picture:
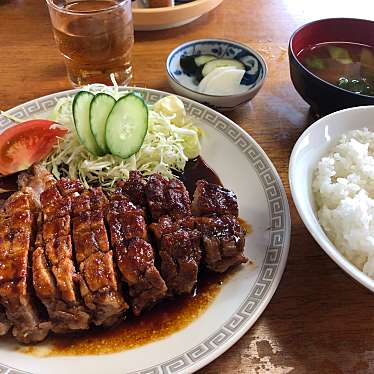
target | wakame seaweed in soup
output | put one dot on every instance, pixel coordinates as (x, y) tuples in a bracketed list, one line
[(346, 65)]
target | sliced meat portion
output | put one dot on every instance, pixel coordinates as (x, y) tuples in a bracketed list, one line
[(223, 238), (167, 197), (179, 250), (223, 242), (134, 188), (16, 240), (89, 230), (70, 187), (135, 256), (100, 289), (99, 285), (66, 315), (35, 181), (168, 225), (213, 199), (136, 262), (55, 278), (126, 220), (180, 258)]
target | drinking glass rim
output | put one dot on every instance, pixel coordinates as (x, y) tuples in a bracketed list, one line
[(67, 11)]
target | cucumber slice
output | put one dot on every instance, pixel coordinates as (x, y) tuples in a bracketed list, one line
[(221, 62), (101, 105), (127, 126), (203, 59), (81, 115)]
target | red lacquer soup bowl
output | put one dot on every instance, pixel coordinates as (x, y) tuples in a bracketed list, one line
[(324, 97)]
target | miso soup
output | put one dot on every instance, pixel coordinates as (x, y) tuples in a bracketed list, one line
[(346, 65)]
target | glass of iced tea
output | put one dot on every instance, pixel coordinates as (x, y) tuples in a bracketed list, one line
[(95, 37)]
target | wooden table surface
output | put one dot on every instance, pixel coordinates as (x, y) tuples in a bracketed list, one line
[(319, 320)]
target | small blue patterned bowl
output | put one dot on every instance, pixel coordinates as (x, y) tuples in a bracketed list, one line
[(184, 84)]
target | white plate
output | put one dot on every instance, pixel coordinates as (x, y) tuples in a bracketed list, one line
[(312, 145), (147, 19), (244, 167)]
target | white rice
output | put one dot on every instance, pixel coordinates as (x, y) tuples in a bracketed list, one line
[(343, 187)]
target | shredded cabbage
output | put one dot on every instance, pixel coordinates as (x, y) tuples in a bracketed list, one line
[(172, 139)]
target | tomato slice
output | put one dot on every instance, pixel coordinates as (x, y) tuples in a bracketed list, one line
[(27, 143)]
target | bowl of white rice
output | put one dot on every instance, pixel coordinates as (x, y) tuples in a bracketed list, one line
[(331, 175)]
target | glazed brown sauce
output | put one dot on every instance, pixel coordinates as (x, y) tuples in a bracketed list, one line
[(245, 225), (163, 320), (195, 170)]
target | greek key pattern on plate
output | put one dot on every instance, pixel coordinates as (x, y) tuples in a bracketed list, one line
[(279, 232), (7, 370)]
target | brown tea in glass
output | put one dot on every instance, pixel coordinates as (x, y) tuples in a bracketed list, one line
[(95, 38)]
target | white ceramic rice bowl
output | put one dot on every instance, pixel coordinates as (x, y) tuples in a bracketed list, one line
[(312, 145)]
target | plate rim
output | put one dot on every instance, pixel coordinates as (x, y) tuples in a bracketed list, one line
[(284, 249)]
